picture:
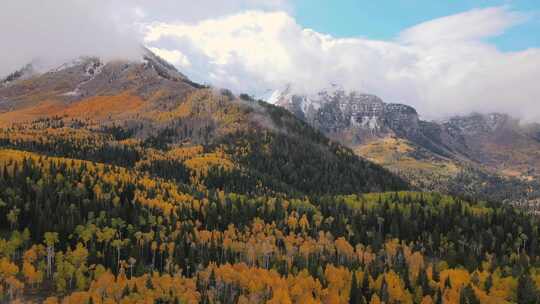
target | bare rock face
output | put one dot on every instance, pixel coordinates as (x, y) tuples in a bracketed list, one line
[(477, 124), (342, 113), (402, 119)]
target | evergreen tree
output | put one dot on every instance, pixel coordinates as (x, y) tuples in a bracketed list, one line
[(366, 291), (526, 290), (467, 296), (438, 296), (488, 283), (385, 296), (355, 294)]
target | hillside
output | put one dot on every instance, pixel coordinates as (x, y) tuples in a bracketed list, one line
[(86, 232), (151, 113)]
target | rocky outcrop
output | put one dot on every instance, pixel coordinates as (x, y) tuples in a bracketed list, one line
[(476, 123), (363, 116)]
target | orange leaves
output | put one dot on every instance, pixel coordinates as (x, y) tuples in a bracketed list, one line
[(292, 221), (375, 299), (183, 153), (32, 254), (304, 288), (427, 300), (416, 263), (76, 298), (8, 272), (201, 164), (31, 274), (457, 278), (102, 107), (304, 223), (7, 269), (258, 284), (344, 250), (42, 109), (123, 105), (104, 284), (51, 300), (339, 281), (503, 287), (280, 296), (396, 289)]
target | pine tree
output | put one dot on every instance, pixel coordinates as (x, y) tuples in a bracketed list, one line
[(385, 296), (526, 290), (467, 296), (354, 296), (149, 284), (488, 283), (423, 281), (438, 296), (212, 279), (366, 291)]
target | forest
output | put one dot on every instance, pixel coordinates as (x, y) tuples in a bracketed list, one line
[(199, 212), (80, 231)]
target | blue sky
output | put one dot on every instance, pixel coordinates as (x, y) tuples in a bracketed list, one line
[(385, 19)]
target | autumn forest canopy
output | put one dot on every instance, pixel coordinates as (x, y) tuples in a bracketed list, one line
[(172, 192)]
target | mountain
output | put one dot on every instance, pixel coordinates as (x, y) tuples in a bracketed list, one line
[(125, 182), (485, 150), (160, 120)]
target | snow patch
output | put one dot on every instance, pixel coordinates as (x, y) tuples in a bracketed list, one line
[(274, 97)]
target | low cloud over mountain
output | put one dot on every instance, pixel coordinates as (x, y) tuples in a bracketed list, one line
[(442, 67)]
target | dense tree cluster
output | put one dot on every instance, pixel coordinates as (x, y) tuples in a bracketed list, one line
[(83, 232), (254, 161), (216, 201)]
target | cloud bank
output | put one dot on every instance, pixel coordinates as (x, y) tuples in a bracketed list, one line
[(54, 32), (442, 67)]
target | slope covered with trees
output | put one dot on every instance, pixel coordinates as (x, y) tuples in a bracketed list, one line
[(127, 183), (222, 142), (78, 231)]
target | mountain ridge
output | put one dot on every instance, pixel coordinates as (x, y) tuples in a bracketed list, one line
[(495, 144)]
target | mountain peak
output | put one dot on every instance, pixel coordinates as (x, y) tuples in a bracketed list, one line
[(126, 87), (335, 110), (476, 123)]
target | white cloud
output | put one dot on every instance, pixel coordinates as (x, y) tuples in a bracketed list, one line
[(61, 30), (468, 26), (442, 67), (175, 57)]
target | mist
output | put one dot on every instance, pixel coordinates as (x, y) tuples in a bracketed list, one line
[(52, 32)]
